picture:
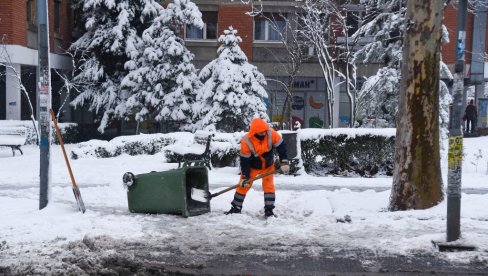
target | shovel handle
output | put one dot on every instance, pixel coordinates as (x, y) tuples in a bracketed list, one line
[(249, 180)]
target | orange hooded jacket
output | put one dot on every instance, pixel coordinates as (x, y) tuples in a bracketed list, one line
[(257, 153)]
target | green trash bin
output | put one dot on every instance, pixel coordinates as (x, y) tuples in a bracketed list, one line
[(169, 192)]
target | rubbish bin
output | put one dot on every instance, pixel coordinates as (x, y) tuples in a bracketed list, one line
[(290, 139), (169, 192)]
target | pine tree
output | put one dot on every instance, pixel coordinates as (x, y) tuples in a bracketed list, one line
[(384, 21), (233, 92), (163, 79), (112, 37)]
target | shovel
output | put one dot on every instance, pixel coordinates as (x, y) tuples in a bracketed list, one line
[(201, 195), (76, 190)]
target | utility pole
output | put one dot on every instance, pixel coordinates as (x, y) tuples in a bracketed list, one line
[(44, 92), (455, 160)]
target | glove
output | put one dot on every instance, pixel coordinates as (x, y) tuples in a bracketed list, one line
[(284, 167), (244, 183)]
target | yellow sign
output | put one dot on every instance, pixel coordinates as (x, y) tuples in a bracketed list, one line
[(455, 155), (277, 118)]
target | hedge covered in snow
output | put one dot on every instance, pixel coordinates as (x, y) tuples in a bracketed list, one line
[(224, 147), (132, 145), (346, 151), (69, 131), (341, 151)]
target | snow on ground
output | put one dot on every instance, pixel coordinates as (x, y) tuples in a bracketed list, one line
[(307, 207)]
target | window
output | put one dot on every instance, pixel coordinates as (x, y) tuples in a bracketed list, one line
[(209, 30), (269, 27), (57, 14), (353, 21), (31, 12)]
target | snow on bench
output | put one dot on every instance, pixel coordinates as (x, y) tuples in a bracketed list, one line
[(13, 137), (199, 150)]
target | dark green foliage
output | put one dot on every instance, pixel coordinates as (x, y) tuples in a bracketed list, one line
[(219, 158), (69, 134), (222, 158), (365, 155)]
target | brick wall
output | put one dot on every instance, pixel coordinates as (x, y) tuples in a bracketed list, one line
[(235, 15), (5, 18), (450, 21), (64, 33), (13, 22)]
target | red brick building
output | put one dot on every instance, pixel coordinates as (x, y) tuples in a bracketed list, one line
[(18, 30)]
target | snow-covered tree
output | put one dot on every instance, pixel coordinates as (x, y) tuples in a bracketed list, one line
[(113, 34), (233, 92), (385, 22), (316, 28), (162, 79)]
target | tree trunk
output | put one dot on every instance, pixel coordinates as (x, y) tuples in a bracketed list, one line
[(417, 181)]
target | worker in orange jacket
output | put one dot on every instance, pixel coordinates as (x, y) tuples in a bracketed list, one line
[(257, 157)]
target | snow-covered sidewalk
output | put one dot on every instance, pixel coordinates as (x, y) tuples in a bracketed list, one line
[(307, 207)]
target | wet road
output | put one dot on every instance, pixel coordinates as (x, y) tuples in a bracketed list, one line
[(151, 258)]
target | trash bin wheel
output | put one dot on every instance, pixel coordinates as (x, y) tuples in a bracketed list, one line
[(128, 179)]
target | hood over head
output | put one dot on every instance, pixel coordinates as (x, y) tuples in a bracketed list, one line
[(258, 125)]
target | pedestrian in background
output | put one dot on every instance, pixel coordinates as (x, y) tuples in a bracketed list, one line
[(471, 116)]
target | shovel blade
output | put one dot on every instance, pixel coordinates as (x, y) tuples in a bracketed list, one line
[(200, 195), (79, 200)]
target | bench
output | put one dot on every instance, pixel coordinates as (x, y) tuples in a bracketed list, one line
[(13, 137), (200, 150)]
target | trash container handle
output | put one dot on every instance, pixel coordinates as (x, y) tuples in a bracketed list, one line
[(195, 163)]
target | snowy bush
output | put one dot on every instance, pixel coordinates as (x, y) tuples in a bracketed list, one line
[(132, 145), (348, 151), (341, 151)]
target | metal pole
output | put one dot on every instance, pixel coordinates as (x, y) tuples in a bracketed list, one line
[(44, 92), (455, 134)]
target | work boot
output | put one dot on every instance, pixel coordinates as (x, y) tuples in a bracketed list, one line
[(268, 212), (234, 210)]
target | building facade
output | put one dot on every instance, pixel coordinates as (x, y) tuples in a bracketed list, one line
[(260, 42), (18, 51), (265, 50)]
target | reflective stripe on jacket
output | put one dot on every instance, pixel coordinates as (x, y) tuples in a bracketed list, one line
[(256, 153)]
